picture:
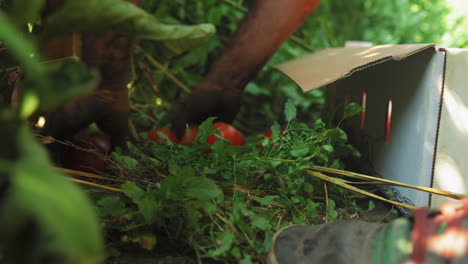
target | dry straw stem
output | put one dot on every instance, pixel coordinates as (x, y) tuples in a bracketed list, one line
[(339, 182), (249, 193), (95, 185), (389, 182), (156, 64), (231, 189), (88, 175)]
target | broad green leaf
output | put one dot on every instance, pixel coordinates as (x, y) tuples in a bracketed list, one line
[(254, 89), (133, 192), (267, 200), (227, 238), (352, 109), (246, 260), (111, 206), (127, 19), (328, 148), (299, 149), (149, 209), (201, 188), (130, 162), (208, 206), (59, 206), (187, 172), (173, 168), (275, 131), (20, 46), (331, 211), (147, 205), (371, 205), (289, 111), (69, 79), (308, 188), (24, 11), (205, 129), (260, 222)]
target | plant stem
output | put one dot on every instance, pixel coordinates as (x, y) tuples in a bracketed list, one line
[(171, 76)]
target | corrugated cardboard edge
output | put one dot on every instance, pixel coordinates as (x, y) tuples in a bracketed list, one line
[(451, 164), (327, 66)]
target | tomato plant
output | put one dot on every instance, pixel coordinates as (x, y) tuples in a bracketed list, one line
[(153, 135), (87, 153)]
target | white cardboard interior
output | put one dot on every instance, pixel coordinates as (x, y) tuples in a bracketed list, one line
[(413, 77)]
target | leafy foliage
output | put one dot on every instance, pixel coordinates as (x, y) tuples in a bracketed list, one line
[(38, 192), (44, 213), (227, 204)]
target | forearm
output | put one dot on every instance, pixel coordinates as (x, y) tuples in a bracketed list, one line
[(267, 25)]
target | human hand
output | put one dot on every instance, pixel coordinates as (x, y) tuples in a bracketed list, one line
[(207, 101)]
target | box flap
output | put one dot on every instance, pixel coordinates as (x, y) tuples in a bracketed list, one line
[(327, 66)]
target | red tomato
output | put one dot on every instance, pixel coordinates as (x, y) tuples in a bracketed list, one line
[(96, 145), (189, 136), (228, 132), (269, 133), (153, 135)]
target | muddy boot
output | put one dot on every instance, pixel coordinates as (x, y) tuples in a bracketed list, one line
[(437, 237)]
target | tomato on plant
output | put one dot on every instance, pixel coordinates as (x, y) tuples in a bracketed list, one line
[(153, 135), (228, 132), (189, 135)]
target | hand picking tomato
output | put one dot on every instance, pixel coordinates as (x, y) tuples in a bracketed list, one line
[(189, 136), (153, 135), (228, 132), (90, 160)]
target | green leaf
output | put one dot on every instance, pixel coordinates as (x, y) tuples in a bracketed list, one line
[(23, 49), (111, 206), (254, 89), (205, 129), (133, 192), (59, 206), (149, 209), (299, 148), (124, 18), (352, 109), (70, 78), (371, 205), (246, 260), (24, 11), (146, 203), (331, 211), (308, 188), (260, 222), (227, 238), (201, 188), (328, 148), (267, 200), (289, 111)]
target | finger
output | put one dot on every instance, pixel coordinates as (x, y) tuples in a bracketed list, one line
[(180, 120)]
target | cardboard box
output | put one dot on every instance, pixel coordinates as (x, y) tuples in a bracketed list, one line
[(414, 128)]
